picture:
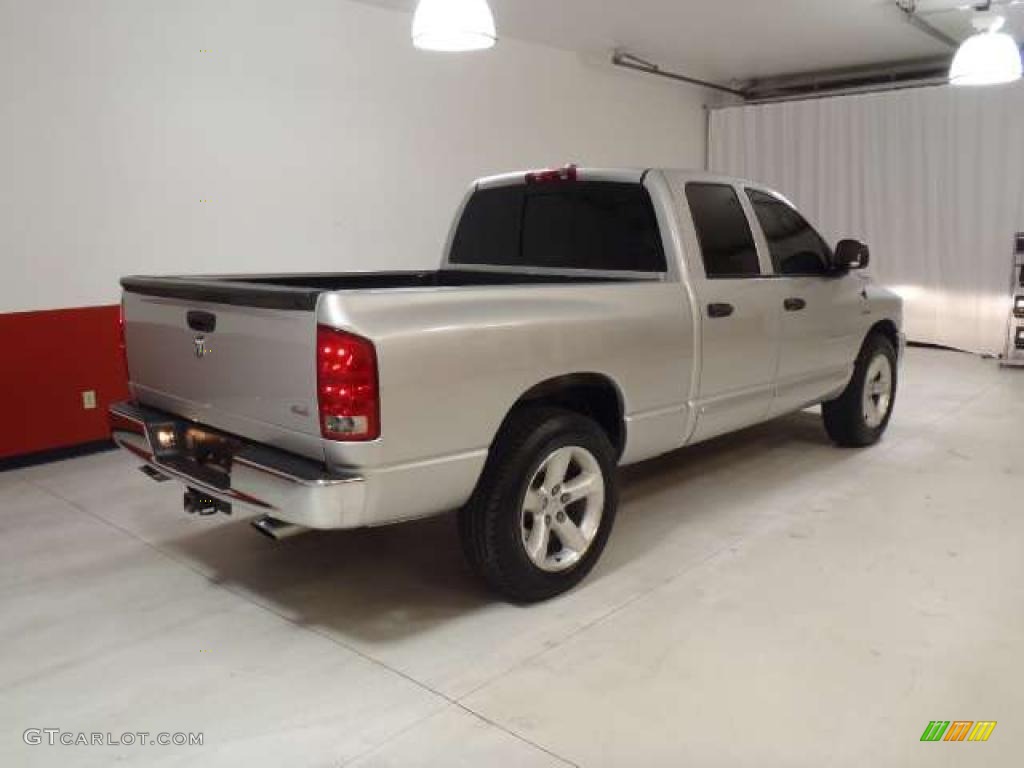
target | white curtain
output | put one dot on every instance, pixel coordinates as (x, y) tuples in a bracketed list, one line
[(931, 178)]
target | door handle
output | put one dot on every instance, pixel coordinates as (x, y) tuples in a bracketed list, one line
[(720, 310), (794, 305)]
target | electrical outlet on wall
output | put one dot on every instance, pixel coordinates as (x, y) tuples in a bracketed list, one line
[(89, 399)]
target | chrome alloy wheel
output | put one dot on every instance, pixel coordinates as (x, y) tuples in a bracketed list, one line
[(562, 509), (877, 391)]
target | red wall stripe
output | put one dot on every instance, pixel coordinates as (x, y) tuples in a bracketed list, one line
[(47, 359)]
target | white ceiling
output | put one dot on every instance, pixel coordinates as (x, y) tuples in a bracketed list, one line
[(735, 39)]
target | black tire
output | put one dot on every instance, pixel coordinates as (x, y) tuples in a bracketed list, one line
[(844, 417), (492, 522)]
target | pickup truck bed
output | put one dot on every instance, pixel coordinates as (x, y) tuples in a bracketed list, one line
[(453, 361), (302, 291)]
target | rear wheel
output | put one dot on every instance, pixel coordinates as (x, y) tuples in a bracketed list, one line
[(860, 415), (542, 512)]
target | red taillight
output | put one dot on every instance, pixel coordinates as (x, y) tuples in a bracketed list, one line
[(346, 384), (568, 173)]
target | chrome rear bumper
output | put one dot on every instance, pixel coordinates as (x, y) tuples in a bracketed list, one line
[(280, 484)]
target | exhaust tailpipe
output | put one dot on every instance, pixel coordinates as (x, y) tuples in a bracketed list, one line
[(276, 529)]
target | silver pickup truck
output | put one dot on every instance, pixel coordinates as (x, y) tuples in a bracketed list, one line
[(580, 319)]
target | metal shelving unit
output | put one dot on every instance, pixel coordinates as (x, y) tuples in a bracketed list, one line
[(1014, 354)]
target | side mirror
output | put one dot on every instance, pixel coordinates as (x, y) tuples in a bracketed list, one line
[(851, 254)]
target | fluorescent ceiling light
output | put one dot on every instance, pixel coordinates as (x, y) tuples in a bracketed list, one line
[(987, 58), (453, 25)]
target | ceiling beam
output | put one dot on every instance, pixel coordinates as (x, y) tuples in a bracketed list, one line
[(857, 79), (629, 61), (909, 9), (894, 74)]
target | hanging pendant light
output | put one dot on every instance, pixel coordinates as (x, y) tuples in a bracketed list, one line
[(453, 25), (989, 57)]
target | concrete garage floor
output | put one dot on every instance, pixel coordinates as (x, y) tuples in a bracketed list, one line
[(766, 600)]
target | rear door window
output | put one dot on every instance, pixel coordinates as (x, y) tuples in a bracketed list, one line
[(726, 242), (606, 226)]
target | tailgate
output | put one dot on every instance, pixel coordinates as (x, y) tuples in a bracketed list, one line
[(247, 367)]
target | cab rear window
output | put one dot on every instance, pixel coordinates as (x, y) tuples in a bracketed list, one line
[(606, 226)]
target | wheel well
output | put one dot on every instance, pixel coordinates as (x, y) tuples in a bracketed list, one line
[(589, 394), (888, 329)]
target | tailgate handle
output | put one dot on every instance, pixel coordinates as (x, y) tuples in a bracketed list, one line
[(204, 322), (720, 310)]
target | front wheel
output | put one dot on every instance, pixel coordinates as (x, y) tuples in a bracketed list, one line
[(542, 512), (860, 415)]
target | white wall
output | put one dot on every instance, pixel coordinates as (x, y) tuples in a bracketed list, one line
[(319, 137), (931, 178)]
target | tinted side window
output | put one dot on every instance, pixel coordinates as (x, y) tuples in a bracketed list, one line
[(587, 225), (723, 230), (795, 247)]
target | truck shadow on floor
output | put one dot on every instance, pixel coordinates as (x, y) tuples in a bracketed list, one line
[(379, 586)]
